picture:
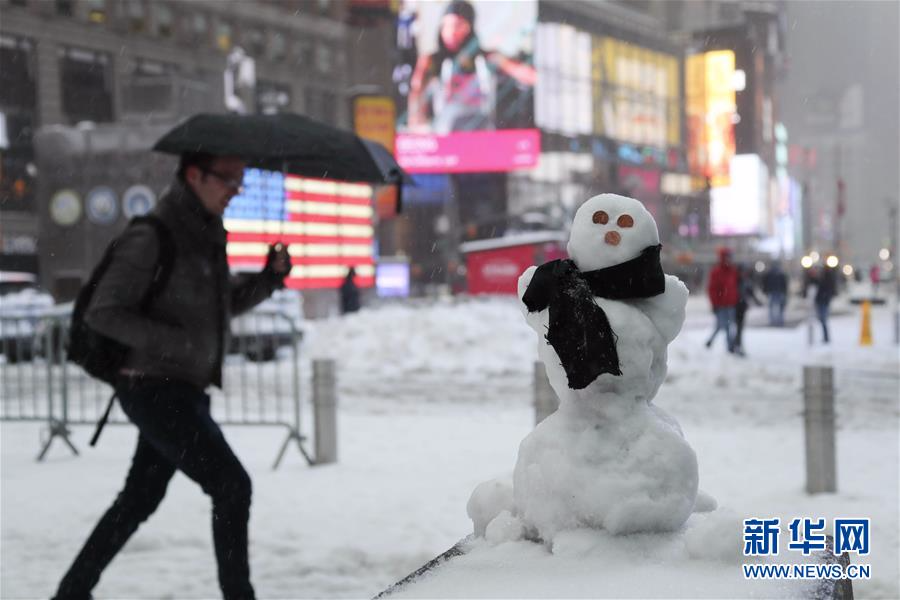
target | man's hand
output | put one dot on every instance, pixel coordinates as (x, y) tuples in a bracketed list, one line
[(278, 261)]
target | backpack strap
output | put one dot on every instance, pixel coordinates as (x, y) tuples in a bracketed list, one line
[(164, 264), (165, 260), (102, 422)]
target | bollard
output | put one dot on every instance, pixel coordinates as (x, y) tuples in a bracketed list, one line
[(545, 400), (865, 332), (325, 408), (818, 416)]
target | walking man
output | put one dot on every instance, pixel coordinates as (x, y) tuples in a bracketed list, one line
[(176, 345), (723, 295), (825, 280), (746, 294), (775, 286)]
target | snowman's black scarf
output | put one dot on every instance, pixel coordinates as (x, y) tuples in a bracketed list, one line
[(579, 330)]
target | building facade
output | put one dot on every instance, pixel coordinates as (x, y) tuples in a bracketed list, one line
[(145, 63)]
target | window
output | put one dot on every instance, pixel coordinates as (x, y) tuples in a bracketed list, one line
[(148, 89), (277, 46), (321, 105), (303, 53), (18, 98), (254, 42), (324, 58), (65, 8), (135, 15), (311, 103), (199, 25), (164, 19), (329, 108), (224, 33), (17, 77), (85, 85), (96, 11)]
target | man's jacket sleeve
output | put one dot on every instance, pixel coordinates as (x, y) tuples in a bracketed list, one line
[(115, 309), (248, 290)]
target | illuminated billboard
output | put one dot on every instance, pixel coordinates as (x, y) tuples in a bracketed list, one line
[(711, 109), (563, 93), (327, 225), (737, 209), (464, 86), (635, 93)]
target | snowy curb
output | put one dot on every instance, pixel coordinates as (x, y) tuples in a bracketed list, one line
[(825, 589)]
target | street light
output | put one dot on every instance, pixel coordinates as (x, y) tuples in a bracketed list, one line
[(832, 261)]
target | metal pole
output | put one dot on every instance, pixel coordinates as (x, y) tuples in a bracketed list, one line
[(325, 409), (545, 400), (895, 272), (818, 416)]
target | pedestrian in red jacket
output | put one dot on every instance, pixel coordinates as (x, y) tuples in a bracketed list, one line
[(723, 295)]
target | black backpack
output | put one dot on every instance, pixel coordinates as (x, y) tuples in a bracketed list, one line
[(100, 356)]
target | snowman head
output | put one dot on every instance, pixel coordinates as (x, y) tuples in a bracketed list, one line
[(610, 229)]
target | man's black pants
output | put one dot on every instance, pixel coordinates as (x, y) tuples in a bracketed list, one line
[(176, 432)]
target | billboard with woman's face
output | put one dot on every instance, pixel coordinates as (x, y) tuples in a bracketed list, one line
[(464, 83)]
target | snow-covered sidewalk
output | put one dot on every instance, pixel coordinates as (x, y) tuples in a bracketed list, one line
[(434, 400)]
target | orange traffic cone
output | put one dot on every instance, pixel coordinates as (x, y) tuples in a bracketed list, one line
[(865, 334)]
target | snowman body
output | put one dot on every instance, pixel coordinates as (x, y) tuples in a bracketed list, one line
[(608, 458)]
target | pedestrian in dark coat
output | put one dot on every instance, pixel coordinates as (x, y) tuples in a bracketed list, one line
[(746, 294), (723, 295), (349, 293), (825, 281), (775, 286), (176, 348)]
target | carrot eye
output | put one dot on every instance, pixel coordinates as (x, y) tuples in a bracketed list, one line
[(601, 217), (625, 221)]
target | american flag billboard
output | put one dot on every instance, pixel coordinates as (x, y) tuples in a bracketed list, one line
[(327, 225)]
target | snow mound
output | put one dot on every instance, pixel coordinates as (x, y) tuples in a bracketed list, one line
[(477, 337), (702, 560)]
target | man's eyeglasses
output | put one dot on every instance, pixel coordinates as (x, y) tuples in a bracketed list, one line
[(234, 184)]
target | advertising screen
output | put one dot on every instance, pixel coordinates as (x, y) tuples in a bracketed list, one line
[(392, 279), (563, 95), (737, 209), (636, 93), (327, 225), (464, 83), (711, 108)]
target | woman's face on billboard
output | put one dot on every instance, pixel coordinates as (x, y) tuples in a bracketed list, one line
[(454, 31)]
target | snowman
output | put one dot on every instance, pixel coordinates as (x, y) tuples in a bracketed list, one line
[(607, 458)]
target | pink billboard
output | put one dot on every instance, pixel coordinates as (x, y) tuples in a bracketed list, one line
[(464, 81), (463, 152)]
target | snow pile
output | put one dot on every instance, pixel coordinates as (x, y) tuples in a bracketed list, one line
[(702, 561), (442, 338)]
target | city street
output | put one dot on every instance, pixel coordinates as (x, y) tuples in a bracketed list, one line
[(438, 410)]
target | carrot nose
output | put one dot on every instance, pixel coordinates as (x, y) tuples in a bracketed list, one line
[(612, 238)]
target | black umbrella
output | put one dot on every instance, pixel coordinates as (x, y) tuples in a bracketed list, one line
[(289, 142)]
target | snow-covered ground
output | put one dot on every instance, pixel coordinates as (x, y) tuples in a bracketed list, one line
[(435, 399)]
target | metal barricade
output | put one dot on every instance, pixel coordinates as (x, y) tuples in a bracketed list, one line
[(261, 378)]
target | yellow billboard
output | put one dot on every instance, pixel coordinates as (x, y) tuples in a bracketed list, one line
[(635, 93), (374, 118), (711, 107)]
